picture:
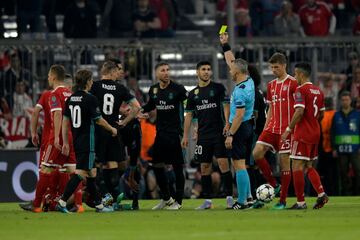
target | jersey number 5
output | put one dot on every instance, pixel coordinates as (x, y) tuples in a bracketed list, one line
[(108, 105), (75, 115)]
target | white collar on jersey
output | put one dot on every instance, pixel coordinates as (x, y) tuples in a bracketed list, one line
[(277, 80), (58, 87), (305, 84)]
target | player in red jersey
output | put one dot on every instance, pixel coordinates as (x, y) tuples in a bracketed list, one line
[(280, 99), (41, 186), (309, 110)]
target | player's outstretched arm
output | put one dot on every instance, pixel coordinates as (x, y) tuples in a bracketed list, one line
[(135, 108), (187, 124), (229, 56), (33, 125), (104, 124)]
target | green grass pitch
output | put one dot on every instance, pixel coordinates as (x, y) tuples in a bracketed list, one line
[(340, 219)]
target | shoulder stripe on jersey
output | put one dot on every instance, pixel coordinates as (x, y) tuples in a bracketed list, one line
[(299, 105)]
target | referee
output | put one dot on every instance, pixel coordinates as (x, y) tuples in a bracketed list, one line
[(240, 135), (167, 97)]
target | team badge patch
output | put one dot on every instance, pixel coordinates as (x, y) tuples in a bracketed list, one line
[(285, 87), (171, 95), (196, 92), (212, 93), (155, 91)]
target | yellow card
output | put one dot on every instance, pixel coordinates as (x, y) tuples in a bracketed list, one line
[(223, 29)]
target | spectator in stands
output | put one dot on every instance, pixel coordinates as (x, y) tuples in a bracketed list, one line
[(80, 20), (330, 86), (287, 23), (22, 101), (357, 104), (327, 165), (49, 10), (271, 8), (28, 13), (356, 26), (353, 59), (355, 83), (133, 86), (317, 19), (146, 22), (117, 18), (12, 74), (243, 22), (345, 135), (338, 7), (5, 111), (256, 14), (165, 10)]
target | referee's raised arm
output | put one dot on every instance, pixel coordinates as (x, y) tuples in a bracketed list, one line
[(229, 56)]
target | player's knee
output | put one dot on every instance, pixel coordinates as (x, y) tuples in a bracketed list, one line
[(224, 165), (258, 152), (206, 168)]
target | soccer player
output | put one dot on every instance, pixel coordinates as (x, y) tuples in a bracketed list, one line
[(82, 111), (42, 184), (210, 104), (280, 98), (309, 110), (240, 135), (110, 150), (131, 137), (167, 97)]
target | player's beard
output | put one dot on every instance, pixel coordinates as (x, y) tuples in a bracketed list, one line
[(205, 80), (165, 80)]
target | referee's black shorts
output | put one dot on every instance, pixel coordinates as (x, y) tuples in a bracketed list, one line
[(85, 160), (242, 141), (167, 149)]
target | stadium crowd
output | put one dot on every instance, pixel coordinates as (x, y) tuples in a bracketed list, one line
[(162, 18)]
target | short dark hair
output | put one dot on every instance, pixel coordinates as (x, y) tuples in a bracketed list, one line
[(108, 67), (241, 65), (254, 74), (279, 58), (160, 64), (304, 68), (59, 71), (115, 60), (345, 94), (82, 77), (202, 63)]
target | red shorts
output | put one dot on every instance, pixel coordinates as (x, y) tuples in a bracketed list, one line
[(304, 151), (53, 157), (275, 143)]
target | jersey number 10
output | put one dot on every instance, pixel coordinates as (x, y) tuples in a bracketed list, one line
[(75, 115)]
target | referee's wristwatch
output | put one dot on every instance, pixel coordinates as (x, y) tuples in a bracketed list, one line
[(229, 134)]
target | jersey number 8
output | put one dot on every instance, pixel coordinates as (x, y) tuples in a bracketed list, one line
[(108, 105)]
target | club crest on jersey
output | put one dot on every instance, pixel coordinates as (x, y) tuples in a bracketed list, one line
[(53, 101), (196, 92), (212, 93), (285, 87), (155, 91), (171, 96)]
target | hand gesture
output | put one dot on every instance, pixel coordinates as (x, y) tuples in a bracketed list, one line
[(35, 139), (65, 149), (226, 129), (228, 142), (184, 142), (114, 132), (57, 143)]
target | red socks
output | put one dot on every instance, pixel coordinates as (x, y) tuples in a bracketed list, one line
[(314, 178), (299, 185), (41, 187), (63, 180), (266, 171), (285, 183)]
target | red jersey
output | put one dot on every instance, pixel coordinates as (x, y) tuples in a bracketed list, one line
[(43, 103), (311, 98), (57, 103), (316, 21), (280, 97)]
